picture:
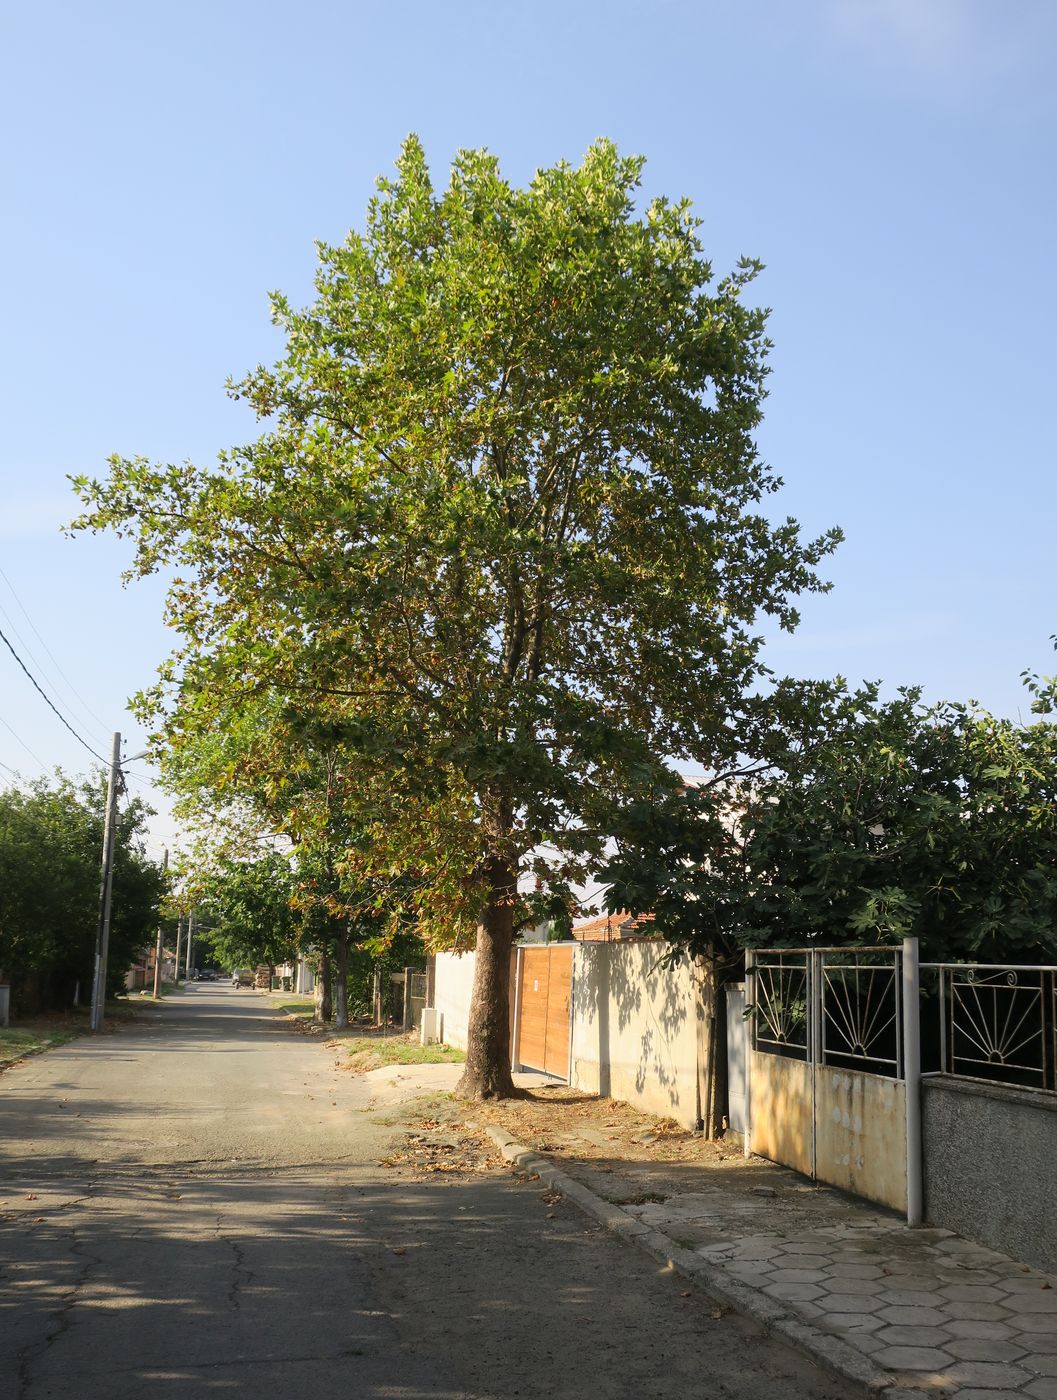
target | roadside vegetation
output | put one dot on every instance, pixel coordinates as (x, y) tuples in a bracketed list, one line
[(51, 836), (16, 1042), (376, 1052)]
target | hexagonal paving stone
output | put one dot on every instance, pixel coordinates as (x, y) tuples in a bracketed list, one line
[(855, 1270), (983, 1349), (797, 1276), (1040, 1364), (849, 1303), (913, 1317), (1039, 1343), (914, 1336), (857, 1287), (952, 1274), (1034, 1302), (853, 1322), (914, 1283), (980, 1331), (982, 1312), (1032, 1322), (913, 1358), (1023, 1283), (971, 1293), (793, 1292), (1043, 1389), (988, 1373), (911, 1298)]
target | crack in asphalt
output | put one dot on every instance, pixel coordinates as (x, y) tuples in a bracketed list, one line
[(241, 1276), (62, 1315)]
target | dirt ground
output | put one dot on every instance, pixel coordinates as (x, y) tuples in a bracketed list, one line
[(625, 1156)]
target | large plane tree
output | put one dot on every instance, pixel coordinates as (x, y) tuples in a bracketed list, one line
[(503, 533)]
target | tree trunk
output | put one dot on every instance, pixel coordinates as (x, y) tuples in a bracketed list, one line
[(487, 1072), (341, 981), (324, 1007), (706, 983)]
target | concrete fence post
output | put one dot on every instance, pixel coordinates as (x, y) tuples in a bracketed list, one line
[(912, 1077)]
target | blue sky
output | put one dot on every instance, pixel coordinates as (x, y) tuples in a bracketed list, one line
[(891, 161)]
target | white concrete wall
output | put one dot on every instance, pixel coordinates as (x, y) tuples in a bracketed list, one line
[(454, 984), (634, 1028)]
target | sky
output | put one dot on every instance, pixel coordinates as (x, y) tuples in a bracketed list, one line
[(890, 161)]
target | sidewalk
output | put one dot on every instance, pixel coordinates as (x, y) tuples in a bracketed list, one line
[(888, 1308)]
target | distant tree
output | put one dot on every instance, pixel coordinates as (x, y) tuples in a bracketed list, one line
[(248, 909), (503, 533), (51, 837)]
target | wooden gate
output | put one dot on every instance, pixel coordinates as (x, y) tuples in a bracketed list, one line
[(544, 996)]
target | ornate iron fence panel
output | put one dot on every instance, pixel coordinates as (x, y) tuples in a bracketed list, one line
[(998, 1022), (830, 1006), (861, 1015), (781, 1001)]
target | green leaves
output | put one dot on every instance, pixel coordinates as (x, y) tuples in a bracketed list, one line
[(501, 538), (868, 820), (51, 837)]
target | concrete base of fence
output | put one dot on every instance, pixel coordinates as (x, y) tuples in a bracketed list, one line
[(989, 1155)]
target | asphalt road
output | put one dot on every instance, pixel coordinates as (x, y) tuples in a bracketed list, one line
[(193, 1207)]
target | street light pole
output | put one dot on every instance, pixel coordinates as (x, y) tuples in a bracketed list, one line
[(106, 887)]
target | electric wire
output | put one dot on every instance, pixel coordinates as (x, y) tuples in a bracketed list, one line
[(95, 723), (37, 686), (19, 740)]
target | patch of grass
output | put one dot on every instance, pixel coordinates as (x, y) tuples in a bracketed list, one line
[(300, 1008), (435, 1107), (19, 1041), (376, 1053)]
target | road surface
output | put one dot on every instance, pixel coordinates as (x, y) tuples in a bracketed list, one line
[(194, 1207)]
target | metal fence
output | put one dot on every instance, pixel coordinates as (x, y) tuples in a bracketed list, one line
[(831, 1006), (994, 1021)]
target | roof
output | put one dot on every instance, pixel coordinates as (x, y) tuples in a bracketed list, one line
[(607, 927)]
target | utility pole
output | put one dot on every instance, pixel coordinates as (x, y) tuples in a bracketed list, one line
[(190, 941), (158, 948), (106, 885), (179, 945)]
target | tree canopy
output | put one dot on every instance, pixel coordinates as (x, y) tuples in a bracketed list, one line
[(501, 543), (51, 839), (881, 819)]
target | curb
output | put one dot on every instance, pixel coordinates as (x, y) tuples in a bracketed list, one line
[(774, 1317)]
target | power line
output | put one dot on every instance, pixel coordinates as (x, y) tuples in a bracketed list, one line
[(33, 628), (18, 739), (36, 685)]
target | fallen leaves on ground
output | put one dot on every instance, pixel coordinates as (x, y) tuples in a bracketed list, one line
[(435, 1148)]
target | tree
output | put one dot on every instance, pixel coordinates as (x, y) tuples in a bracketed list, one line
[(868, 822), (249, 907), (51, 838), (502, 533)]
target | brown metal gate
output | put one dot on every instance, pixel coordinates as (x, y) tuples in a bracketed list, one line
[(544, 995)]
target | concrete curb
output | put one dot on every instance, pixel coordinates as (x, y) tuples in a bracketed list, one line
[(773, 1316)]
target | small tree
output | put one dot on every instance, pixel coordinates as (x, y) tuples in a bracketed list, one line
[(503, 532)]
